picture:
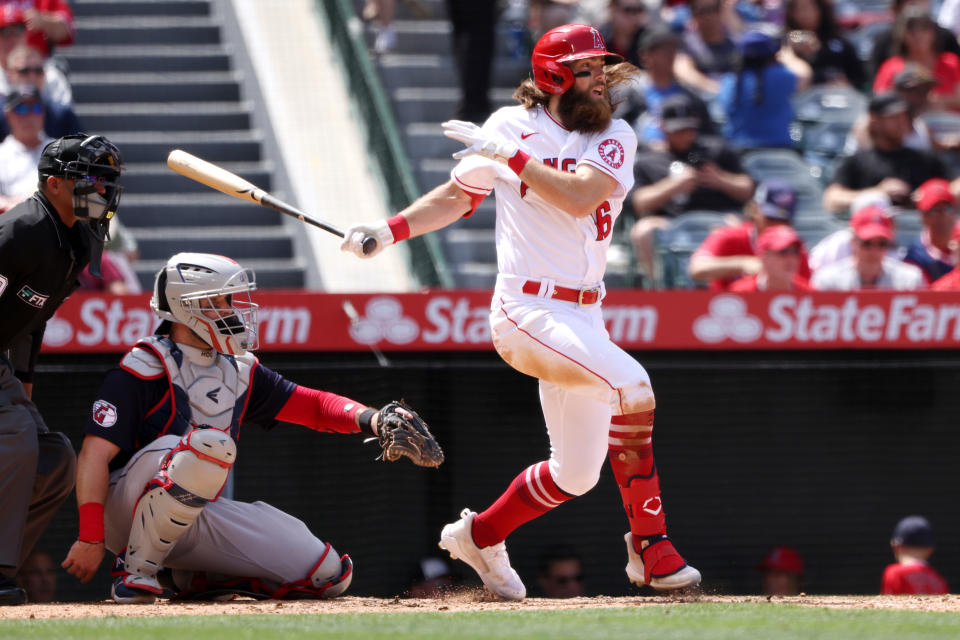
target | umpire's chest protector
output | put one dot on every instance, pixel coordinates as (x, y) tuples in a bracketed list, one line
[(207, 389)]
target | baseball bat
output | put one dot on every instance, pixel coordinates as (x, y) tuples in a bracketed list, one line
[(233, 185)]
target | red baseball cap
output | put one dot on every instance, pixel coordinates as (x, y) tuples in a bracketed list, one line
[(784, 559), (777, 238), (872, 222), (11, 14), (933, 192)]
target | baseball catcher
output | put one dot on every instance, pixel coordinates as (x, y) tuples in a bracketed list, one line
[(161, 440)]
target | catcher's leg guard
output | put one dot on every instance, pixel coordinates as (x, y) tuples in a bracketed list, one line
[(191, 475), (328, 578)]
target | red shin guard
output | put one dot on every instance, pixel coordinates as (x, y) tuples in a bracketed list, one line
[(631, 457), (529, 496)]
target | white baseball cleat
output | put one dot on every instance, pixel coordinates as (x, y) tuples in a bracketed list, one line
[(491, 563), (667, 570)]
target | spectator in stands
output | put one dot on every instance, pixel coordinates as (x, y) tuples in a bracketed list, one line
[(381, 13), (473, 42), (25, 68), (696, 172), (730, 253), (756, 98), (111, 279), (869, 266), (707, 49), (124, 252), (38, 577), (813, 35), (951, 281), (779, 249), (931, 251), (915, 40), (913, 85), (13, 35), (549, 14), (658, 51), (20, 150), (622, 31), (883, 40), (781, 572), (888, 165), (49, 23), (913, 544), (561, 573), (839, 244), (749, 13)]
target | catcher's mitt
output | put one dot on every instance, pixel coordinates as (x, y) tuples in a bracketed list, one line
[(404, 433)]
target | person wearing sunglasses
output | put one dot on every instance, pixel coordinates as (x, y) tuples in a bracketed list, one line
[(780, 250), (20, 151), (561, 573), (24, 67), (869, 267)]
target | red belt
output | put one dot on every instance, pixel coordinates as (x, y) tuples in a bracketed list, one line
[(585, 296)]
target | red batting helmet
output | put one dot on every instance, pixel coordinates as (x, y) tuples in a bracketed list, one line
[(565, 44)]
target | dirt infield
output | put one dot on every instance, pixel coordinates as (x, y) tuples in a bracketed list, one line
[(469, 600)]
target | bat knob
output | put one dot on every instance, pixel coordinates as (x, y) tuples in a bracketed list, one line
[(369, 245)]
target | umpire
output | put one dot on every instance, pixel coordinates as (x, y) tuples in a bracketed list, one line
[(45, 242)]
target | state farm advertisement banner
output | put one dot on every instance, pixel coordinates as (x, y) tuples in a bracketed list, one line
[(452, 320)]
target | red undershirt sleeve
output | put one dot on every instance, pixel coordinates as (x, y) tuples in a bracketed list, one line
[(321, 411)]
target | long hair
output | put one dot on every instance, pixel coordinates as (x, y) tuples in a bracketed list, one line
[(911, 17), (756, 66), (530, 95), (828, 21)]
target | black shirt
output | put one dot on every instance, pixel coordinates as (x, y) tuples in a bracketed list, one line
[(836, 58), (868, 167), (654, 166), (40, 259)]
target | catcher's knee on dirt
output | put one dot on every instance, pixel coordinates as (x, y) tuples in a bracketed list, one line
[(328, 578), (192, 474)]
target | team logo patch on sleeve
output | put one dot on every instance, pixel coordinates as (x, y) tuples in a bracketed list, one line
[(3, 283), (32, 298), (104, 413), (612, 152)]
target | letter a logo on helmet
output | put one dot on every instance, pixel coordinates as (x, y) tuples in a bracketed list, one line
[(562, 45)]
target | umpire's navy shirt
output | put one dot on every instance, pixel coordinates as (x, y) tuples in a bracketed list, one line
[(40, 259)]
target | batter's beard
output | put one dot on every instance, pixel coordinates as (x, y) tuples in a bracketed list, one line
[(580, 112)]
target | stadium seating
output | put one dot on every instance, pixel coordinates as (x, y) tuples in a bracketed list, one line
[(153, 75), (674, 246)]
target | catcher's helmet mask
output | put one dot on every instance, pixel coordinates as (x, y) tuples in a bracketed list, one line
[(563, 45), (184, 292)]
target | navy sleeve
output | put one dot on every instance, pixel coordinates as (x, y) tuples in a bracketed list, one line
[(120, 408), (269, 392)]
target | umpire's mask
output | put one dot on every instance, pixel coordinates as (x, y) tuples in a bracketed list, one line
[(94, 164)]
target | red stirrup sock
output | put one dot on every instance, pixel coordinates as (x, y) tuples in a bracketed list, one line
[(631, 457), (529, 496)]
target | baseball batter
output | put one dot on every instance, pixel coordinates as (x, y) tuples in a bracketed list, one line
[(561, 167), (161, 440)]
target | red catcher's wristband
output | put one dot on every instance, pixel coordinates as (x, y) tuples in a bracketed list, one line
[(518, 162), (399, 228), (91, 522)]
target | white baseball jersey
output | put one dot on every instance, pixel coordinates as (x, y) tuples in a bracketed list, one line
[(534, 238)]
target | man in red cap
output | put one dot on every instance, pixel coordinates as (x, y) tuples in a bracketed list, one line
[(930, 251), (869, 267), (779, 248), (782, 570), (951, 281)]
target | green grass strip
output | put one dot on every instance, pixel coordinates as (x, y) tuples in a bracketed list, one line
[(694, 621)]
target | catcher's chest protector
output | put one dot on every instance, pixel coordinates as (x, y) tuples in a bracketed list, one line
[(207, 388)]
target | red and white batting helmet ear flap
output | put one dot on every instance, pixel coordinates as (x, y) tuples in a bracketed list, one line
[(565, 44)]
